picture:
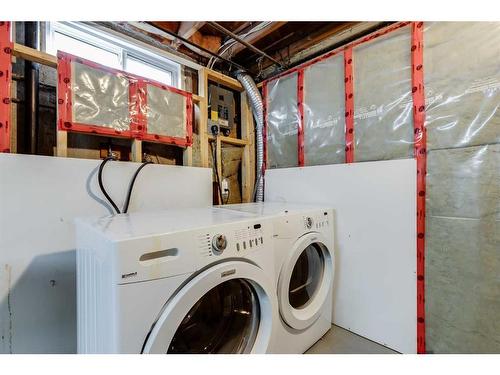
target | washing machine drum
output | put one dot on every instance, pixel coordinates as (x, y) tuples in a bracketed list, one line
[(224, 320), (222, 310), (305, 281)]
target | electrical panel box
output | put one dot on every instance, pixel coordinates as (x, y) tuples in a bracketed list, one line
[(222, 110)]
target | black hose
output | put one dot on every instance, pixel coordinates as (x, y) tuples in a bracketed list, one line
[(101, 185), (131, 186), (216, 170)]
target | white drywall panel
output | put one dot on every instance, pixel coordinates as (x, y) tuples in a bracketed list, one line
[(375, 211), (39, 198)]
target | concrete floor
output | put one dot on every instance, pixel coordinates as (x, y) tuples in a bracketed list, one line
[(341, 341)]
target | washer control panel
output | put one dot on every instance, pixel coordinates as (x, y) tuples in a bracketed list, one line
[(248, 238), (234, 240)]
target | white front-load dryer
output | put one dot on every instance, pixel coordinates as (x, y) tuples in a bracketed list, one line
[(177, 281), (304, 259)]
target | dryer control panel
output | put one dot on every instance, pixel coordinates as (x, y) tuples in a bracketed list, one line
[(317, 221)]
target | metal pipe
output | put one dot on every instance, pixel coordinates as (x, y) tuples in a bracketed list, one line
[(257, 105), (187, 41), (222, 29)]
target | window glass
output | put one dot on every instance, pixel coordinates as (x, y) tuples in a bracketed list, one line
[(88, 51), (143, 69), (108, 49)]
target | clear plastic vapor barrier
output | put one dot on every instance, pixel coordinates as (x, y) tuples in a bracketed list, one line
[(324, 108), (383, 121), (166, 112), (282, 122), (462, 83), (96, 99), (100, 98)]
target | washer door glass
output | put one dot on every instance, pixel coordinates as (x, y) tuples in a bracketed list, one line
[(224, 320), (306, 276)]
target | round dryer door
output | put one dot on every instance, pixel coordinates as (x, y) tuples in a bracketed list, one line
[(227, 308), (305, 280)]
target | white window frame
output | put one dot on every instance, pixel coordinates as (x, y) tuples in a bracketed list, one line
[(121, 47)]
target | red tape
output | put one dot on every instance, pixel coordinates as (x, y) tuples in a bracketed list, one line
[(418, 94), (300, 108), (349, 105), (5, 85)]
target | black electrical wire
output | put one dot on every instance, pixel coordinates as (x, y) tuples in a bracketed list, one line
[(214, 166), (101, 185), (131, 185)]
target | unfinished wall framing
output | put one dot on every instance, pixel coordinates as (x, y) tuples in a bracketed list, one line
[(436, 102), (195, 154)]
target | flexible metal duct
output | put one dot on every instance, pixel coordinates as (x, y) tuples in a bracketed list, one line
[(258, 113)]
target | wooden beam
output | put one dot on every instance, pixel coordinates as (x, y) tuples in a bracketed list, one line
[(229, 140), (255, 37), (188, 28), (224, 80), (34, 55)]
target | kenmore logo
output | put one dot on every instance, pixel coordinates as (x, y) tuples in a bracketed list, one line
[(127, 275)]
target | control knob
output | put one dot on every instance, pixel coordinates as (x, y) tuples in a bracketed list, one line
[(219, 243), (309, 222)]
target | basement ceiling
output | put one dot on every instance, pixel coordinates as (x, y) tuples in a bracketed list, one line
[(289, 43)]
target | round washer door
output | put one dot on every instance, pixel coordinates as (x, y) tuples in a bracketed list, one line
[(225, 309), (305, 280)]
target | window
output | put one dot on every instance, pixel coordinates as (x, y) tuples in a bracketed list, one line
[(107, 49)]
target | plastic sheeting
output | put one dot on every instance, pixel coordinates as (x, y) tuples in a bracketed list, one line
[(324, 108), (100, 98), (282, 122), (383, 121), (463, 250), (462, 83), (166, 112), (462, 73)]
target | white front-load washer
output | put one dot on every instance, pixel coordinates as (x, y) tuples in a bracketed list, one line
[(177, 281), (304, 259)]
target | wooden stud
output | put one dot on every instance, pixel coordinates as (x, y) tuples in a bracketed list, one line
[(34, 55), (187, 157), (224, 80), (248, 159), (203, 125), (62, 144), (136, 150)]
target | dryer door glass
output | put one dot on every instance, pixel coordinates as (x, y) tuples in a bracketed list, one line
[(306, 277), (225, 320)]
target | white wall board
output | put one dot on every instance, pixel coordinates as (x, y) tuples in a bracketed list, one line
[(39, 198), (375, 274)]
